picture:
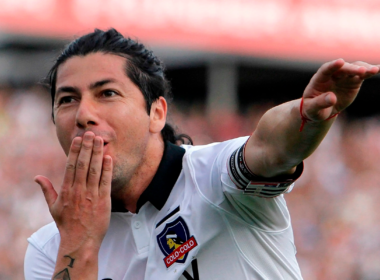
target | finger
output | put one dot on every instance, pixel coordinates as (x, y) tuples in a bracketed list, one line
[(83, 161), (348, 80), (377, 67), (369, 74), (351, 70), (363, 69), (368, 66), (329, 99), (106, 178), (95, 169), (320, 107), (48, 189), (328, 69), (370, 69), (69, 176)]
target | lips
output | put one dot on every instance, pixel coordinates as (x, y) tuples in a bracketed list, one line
[(105, 147)]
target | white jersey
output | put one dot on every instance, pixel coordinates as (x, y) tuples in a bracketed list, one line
[(193, 223)]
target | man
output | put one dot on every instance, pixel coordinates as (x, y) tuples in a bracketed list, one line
[(128, 189)]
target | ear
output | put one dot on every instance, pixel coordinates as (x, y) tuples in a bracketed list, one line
[(158, 112)]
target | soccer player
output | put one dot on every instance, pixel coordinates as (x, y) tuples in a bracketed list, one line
[(129, 191)]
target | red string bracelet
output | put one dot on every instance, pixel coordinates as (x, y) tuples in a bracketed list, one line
[(305, 119)]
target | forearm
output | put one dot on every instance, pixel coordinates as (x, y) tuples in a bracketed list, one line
[(277, 145), (75, 264)]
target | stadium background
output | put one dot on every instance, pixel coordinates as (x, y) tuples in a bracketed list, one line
[(228, 61)]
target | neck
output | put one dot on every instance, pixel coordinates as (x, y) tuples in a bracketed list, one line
[(142, 177)]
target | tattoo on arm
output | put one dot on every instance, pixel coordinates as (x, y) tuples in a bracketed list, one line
[(63, 275), (71, 261)]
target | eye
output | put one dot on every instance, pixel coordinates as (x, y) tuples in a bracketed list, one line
[(66, 99), (109, 93)]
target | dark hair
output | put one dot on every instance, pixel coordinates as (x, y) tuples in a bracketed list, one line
[(143, 68)]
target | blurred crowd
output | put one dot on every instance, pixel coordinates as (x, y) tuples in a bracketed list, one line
[(334, 206)]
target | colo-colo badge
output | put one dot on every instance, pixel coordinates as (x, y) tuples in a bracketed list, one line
[(175, 242)]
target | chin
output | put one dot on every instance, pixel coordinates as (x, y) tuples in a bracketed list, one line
[(118, 183)]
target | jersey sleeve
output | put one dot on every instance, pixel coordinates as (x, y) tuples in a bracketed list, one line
[(258, 201), (41, 254), (244, 179), (37, 265), (209, 166)]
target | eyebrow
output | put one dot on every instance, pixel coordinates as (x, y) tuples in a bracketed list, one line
[(101, 83), (93, 86), (67, 89)]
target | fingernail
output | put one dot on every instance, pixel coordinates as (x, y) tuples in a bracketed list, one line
[(107, 160), (98, 142), (88, 136), (77, 141), (328, 98)]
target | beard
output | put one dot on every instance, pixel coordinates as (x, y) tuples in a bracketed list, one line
[(123, 172), (128, 170), (120, 180)]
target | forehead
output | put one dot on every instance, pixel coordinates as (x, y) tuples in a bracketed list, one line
[(81, 70)]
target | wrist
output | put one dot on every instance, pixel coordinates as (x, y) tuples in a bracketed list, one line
[(81, 263), (82, 248)]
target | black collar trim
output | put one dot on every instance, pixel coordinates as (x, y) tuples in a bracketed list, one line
[(163, 182)]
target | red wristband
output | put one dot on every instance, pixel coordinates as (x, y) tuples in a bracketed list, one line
[(305, 119)]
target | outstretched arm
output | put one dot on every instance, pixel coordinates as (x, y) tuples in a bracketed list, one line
[(82, 208), (286, 135)]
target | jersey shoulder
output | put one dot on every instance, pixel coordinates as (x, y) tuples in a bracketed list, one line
[(205, 165), (46, 239), (205, 156), (219, 146)]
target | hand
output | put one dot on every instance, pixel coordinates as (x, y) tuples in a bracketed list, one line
[(82, 208), (334, 87)]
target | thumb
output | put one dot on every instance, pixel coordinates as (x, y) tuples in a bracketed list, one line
[(320, 107), (47, 188)]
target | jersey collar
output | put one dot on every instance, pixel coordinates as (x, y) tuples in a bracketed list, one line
[(163, 182)]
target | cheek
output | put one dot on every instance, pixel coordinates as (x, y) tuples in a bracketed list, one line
[(65, 127), (63, 137), (134, 124)]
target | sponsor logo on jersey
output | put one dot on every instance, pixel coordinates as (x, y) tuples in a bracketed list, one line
[(175, 242)]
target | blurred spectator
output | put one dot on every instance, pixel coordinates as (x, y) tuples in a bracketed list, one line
[(28, 147), (334, 206)]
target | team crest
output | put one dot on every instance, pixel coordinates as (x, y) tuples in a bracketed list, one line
[(175, 242)]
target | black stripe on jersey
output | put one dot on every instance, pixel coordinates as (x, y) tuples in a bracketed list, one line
[(271, 188), (252, 184), (168, 216), (237, 171), (194, 266), (263, 190)]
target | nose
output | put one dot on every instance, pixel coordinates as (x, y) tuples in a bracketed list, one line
[(87, 114)]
